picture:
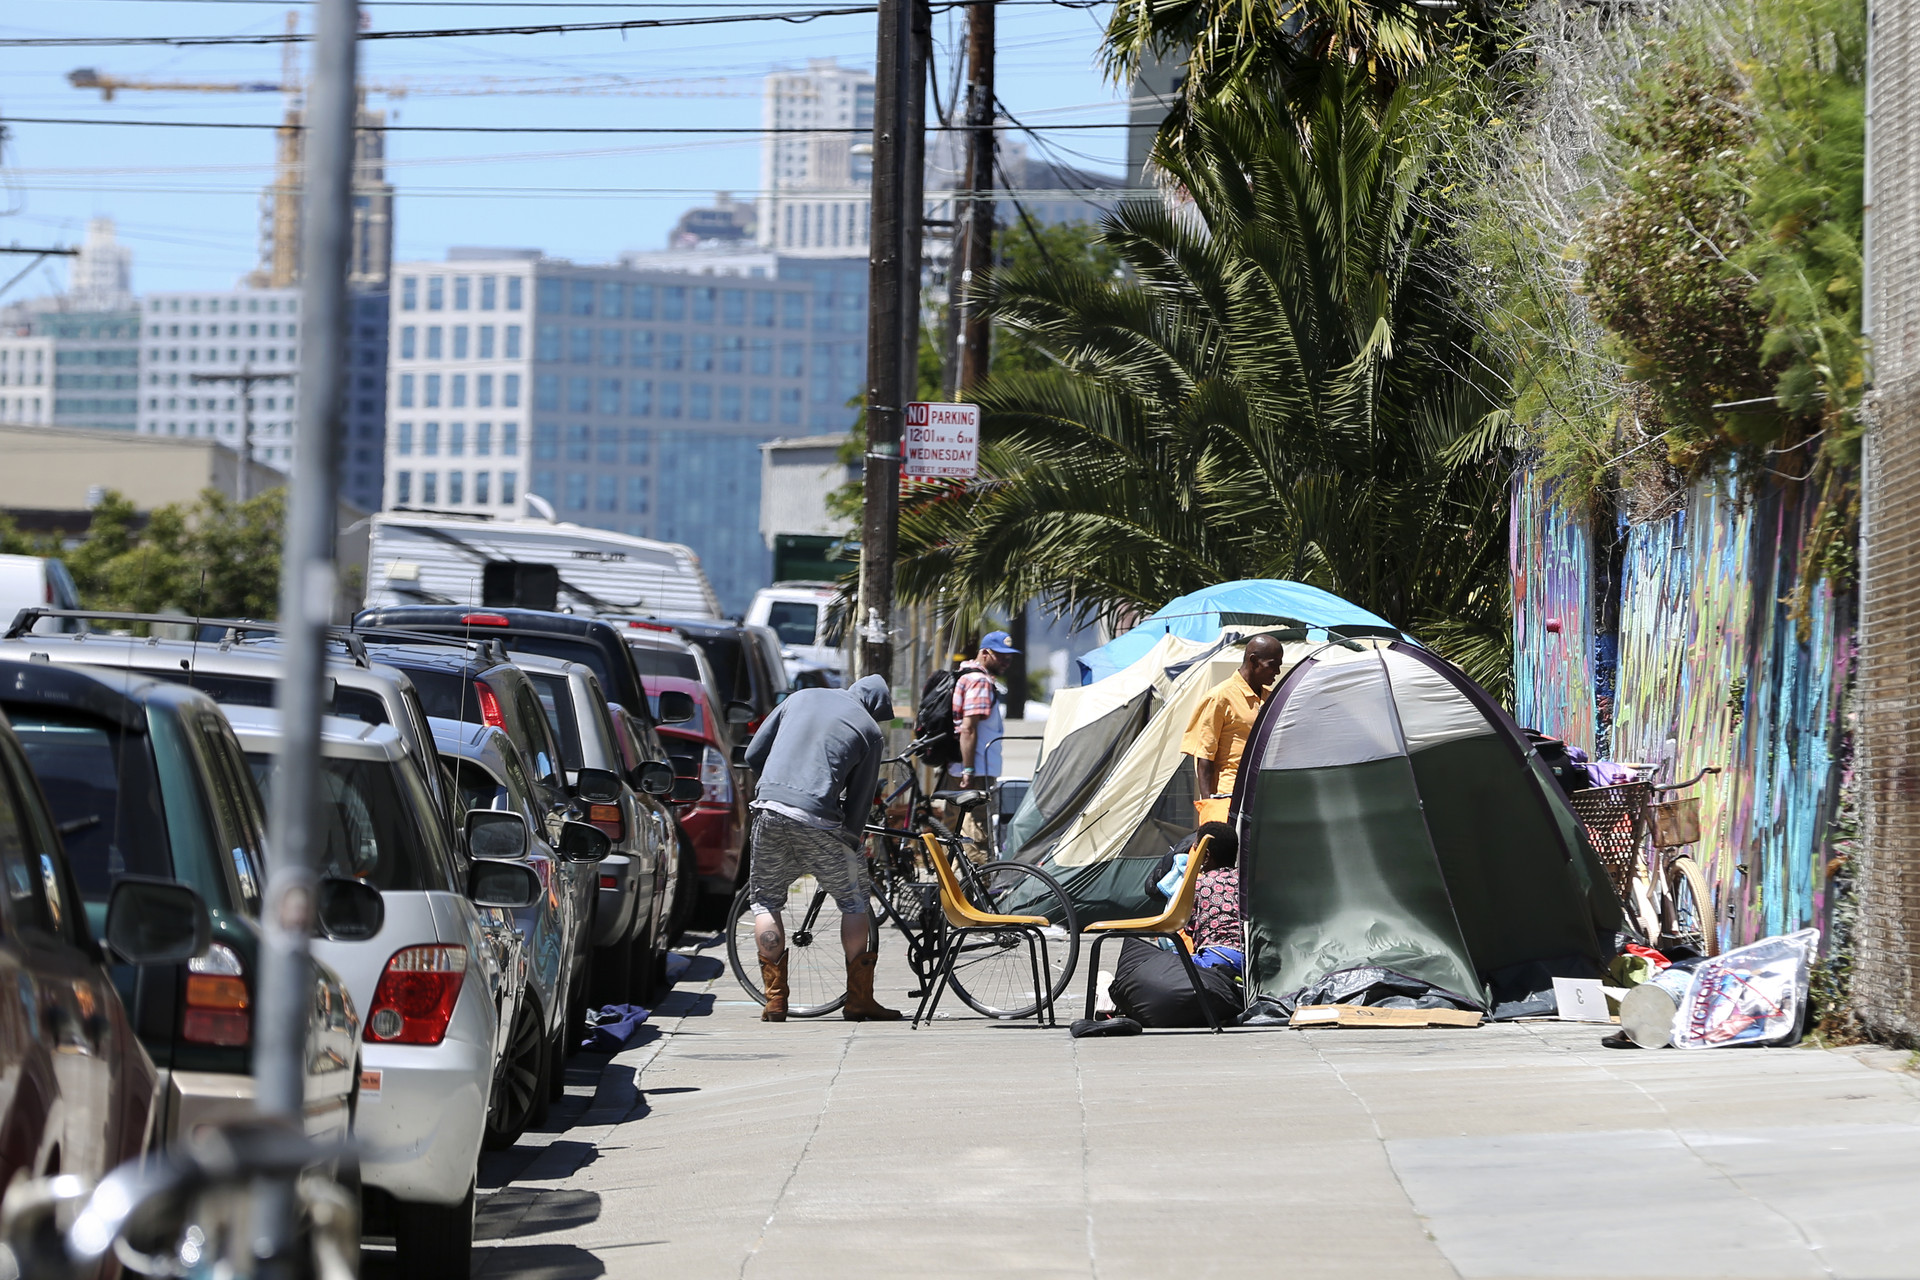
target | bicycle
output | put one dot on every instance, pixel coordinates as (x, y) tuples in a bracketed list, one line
[(1634, 833)]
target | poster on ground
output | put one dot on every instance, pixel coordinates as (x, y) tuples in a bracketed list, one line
[(941, 441)]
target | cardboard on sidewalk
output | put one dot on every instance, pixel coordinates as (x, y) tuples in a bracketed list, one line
[(1359, 1015)]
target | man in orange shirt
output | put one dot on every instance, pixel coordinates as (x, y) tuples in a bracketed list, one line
[(1217, 734)]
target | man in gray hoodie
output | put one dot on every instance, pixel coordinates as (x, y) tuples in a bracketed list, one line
[(818, 756)]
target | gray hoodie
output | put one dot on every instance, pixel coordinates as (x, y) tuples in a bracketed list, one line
[(820, 751)]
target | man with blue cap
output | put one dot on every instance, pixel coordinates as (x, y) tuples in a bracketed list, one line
[(977, 721)]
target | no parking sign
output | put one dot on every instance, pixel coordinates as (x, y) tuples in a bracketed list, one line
[(941, 440)]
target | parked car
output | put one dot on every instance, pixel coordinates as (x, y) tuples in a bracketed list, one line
[(632, 920), (659, 650), (746, 662), (798, 615), (715, 817), (38, 582), (429, 979), (638, 751), (489, 773), (147, 781), (237, 664), (479, 684), (77, 1090)]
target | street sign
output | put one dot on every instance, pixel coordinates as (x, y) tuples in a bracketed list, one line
[(941, 440)]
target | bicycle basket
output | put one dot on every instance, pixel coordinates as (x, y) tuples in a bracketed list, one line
[(1676, 822), (1615, 819)]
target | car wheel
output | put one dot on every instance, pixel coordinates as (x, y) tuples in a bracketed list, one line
[(686, 888), (556, 1069), (519, 1080), (576, 1024), (612, 969), (434, 1241), (641, 969)]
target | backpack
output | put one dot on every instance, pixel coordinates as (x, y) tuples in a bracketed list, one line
[(934, 719)]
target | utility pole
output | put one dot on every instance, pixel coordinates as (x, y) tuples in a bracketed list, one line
[(886, 293), (307, 585), (975, 335), (245, 380)]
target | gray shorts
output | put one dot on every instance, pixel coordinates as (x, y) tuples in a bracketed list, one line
[(784, 850)]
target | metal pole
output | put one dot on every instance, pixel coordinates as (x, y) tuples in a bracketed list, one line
[(976, 335), (307, 580), (879, 525)]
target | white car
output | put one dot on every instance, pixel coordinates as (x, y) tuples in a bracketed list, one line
[(796, 612), (428, 983), (38, 582)]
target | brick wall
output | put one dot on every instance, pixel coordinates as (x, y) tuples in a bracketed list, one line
[(1887, 960)]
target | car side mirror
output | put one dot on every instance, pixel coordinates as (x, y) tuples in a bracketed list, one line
[(497, 833), (686, 790), (675, 707), (583, 842), (598, 786), (157, 922), (507, 885), (739, 713), (348, 910), (655, 777)]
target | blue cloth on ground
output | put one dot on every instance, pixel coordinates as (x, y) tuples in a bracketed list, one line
[(613, 1025), (1231, 958)]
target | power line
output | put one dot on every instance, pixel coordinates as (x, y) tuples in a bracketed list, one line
[(529, 29), (501, 128)]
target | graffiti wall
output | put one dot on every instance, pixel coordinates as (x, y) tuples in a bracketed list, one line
[(1713, 670), (1553, 617)]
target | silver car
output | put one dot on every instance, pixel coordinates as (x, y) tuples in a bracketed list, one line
[(429, 983)]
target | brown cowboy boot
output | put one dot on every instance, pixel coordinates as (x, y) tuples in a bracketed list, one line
[(773, 980), (860, 1005)]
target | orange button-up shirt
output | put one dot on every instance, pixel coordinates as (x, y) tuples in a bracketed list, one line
[(1221, 725)]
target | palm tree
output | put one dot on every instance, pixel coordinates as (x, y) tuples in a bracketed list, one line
[(1286, 387)]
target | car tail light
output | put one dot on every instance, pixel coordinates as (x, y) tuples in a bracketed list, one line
[(486, 620), (716, 778), (414, 1002), (649, 626), (217, 1005), (489, 705), (609, 882), (607, 818)]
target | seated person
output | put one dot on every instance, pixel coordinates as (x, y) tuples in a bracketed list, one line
[(1216, 905)]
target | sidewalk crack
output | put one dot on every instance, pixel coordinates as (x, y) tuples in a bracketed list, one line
[(1086, 1158), (826, 1102)]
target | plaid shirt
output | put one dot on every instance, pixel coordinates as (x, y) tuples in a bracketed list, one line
[(973, 694)]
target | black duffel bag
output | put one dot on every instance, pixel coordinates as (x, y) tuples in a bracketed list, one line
[(1150, 986)]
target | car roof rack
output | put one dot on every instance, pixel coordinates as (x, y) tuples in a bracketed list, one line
[(352, 639)]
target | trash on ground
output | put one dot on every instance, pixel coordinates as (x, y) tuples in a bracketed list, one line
[(611, 1026), (1753, 995)]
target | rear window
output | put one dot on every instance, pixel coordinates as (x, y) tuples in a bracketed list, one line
[(556, 699), (448, 695), (794, 621), (372, 824), (100, 784), (665, 662), (263, 691), (567, 649), (728, 660)]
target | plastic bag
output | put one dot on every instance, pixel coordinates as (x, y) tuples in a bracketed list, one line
[(1755, 995)]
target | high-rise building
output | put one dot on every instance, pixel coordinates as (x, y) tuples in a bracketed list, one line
[(245, 346), (282, 207), (67, 368), (102, 278), (629, 397), (816, 186)]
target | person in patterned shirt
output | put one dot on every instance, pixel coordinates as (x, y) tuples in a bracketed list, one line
[(1216, 905)]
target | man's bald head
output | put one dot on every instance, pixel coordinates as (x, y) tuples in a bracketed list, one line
[(1262, 662)]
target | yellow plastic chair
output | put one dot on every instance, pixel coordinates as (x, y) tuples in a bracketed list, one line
[(1167, 924), (965, 920)]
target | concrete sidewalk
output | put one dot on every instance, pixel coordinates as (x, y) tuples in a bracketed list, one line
[(726, 1147)]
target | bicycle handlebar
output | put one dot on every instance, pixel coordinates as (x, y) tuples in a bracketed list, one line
[(1682, 786)]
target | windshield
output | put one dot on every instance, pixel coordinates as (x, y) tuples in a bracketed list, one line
[(370, 823), (794, 621), (556, 699), (100, 784), (665, 662)]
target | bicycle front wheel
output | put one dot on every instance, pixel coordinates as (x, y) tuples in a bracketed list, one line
[(991, 972), (816, 962), (1687, 912)]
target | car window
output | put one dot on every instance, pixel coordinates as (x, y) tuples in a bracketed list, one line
[(33, 893), (727, 656), (538, 732), (794, 621), (99, 780), (450, 695), (377, 823), (519, 789), (474, 787), (654, 661), (565, 648), (623, 735), (264, 691), (235, 801), (556, 701)]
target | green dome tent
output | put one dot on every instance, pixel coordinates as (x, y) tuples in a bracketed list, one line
[(1392, 817)]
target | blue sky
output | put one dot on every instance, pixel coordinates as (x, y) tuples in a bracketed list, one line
[(187, 201)]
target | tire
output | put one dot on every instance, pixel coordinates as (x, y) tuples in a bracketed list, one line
[(643, 969), (519, 1080), (686, 887), (556, 1069), (1687, 912), (992, 972), (816, 965), (434, 1241), (613, 973), (576, 1021)]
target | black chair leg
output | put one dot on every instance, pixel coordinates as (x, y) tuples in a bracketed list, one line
[(1046, 978), (1033, 962), (932, 998), (1093, 973), (1193, 976)]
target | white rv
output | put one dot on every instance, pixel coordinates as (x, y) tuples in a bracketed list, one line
[(435, 558)]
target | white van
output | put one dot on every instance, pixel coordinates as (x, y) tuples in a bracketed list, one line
[(797, 613), (28, 582), (422, 558)]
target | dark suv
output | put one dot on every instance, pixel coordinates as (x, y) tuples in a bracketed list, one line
[(552, 635), (147, 780)]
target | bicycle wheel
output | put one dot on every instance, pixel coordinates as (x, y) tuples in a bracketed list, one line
[(1686, 913), (816, 963), (991, 973)]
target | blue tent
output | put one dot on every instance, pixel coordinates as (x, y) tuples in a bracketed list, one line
[(1250, 602)]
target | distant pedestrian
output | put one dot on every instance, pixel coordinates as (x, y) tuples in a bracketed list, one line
[(818, 756), (1221, 724), (977, 720)]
